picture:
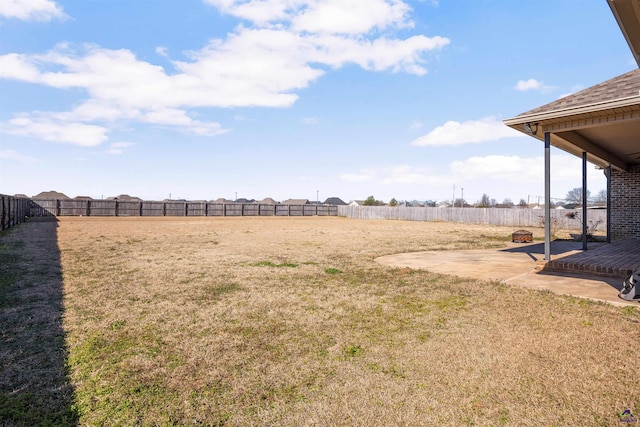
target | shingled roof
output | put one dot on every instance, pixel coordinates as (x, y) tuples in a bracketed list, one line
[(624, 87), (603, 121)]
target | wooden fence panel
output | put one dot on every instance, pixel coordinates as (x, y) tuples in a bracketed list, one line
[(266, 210), (41, 208), (196, 208), (13, 211), (152, 209), (232, 209), (282, 210), (72, 207), (215, 209), (309, 210), (250, 209), (296, 210), (128, 208), (175, 208), (103, 208)]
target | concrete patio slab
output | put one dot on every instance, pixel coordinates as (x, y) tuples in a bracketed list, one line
[(518, 265)]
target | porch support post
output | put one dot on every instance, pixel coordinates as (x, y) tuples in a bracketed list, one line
[(547, 196), (584, 201), (607, 173)]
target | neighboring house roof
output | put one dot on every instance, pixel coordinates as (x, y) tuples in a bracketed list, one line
[(268, 201), (51, 195), (125, 198), (356, 203), (82, 198), (603, 121), (296, 202), (222, 200), (21, 196), (335, 201)]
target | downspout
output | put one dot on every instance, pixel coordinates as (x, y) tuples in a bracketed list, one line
[(547, 196)]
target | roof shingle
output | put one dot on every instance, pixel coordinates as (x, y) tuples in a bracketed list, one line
[(624, 86)]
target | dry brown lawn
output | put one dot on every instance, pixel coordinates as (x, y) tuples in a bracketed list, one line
[(291, 322)]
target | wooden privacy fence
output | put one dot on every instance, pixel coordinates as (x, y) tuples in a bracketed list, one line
[(512, 217), (14, 210), (58, 207)]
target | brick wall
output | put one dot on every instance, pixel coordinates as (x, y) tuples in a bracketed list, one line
[(625, 204)]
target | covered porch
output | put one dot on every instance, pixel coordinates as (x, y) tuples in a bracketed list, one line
[(601, 125)]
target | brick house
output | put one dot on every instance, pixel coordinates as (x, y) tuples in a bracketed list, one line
[(601, 124)]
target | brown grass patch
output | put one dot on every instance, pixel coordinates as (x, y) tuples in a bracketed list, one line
[(289, 321)]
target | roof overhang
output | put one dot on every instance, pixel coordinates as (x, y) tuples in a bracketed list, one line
[(627, 13), (607, 131)]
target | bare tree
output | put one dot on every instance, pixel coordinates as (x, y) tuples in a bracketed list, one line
[(485, 201), (601, 197), (575, 196)]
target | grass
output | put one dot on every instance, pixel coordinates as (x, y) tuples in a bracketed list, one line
[(34, 384), (290, 321)]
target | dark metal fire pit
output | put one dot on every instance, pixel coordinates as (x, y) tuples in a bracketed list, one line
[(522, 236)]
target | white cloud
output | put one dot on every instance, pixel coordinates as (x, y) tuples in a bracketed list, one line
[(405, 175), (510, 168), (398, 175), (290, 45), (309, 121), (469, 132), (119, 147), (416, 124), (351, 17), (50, 130), (17, 157), (362, 176), (532, 84), (500, 176), (313, 16), (31, 10), (516, 169)]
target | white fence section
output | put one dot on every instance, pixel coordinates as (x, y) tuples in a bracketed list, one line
[(513, 217)]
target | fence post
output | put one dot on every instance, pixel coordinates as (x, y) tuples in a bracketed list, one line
[(2, 212)]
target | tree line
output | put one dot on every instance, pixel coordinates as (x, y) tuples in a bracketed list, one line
[(572, 200)]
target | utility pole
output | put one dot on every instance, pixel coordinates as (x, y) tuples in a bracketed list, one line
[(236, 199), (462, 201), (453, 199), (317, 197)]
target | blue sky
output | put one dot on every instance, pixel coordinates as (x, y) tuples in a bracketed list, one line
[(201, 99)]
